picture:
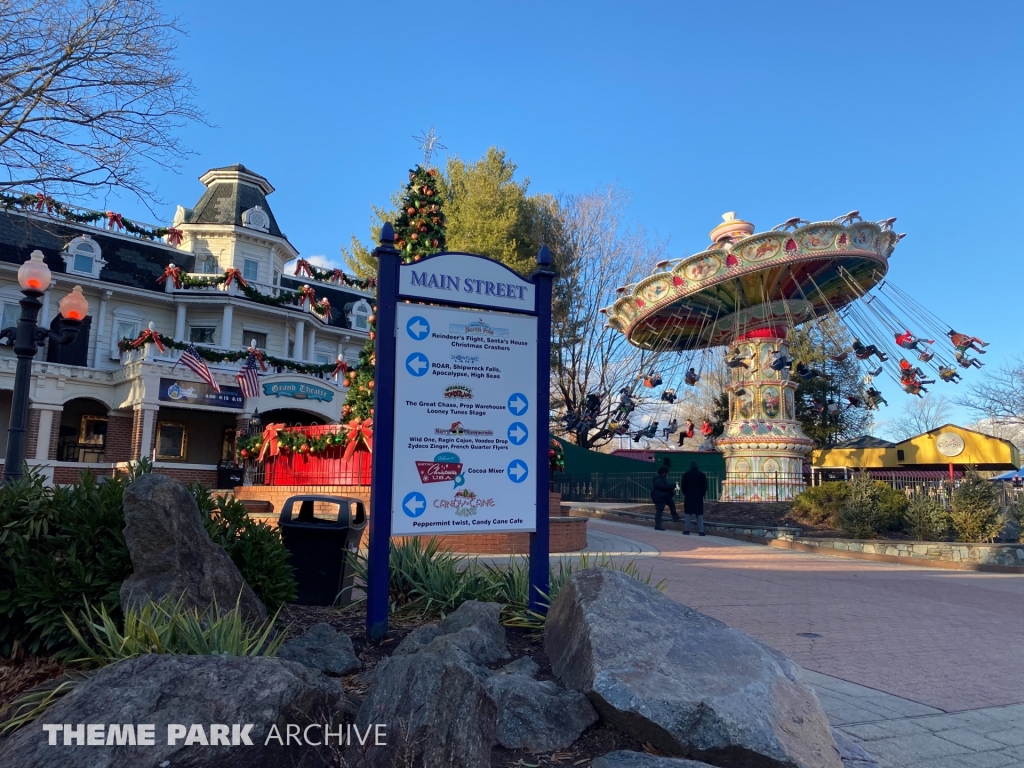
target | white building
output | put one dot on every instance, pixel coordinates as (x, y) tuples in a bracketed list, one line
[(93, 406)]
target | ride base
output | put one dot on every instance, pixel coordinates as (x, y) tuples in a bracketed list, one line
[(763, 444)]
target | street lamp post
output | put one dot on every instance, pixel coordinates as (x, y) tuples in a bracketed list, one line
[(34, 278)]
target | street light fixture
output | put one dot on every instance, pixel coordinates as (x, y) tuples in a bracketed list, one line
[(27, 336)]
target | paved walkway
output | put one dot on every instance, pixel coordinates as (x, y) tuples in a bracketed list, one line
[(920, 665)]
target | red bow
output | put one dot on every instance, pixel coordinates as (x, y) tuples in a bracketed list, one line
[(259, 357), (371, 282), (337, 276), (324, 308), (341, 367), (146, 337), (114, 220), (360, 433), (42, 201), (174, 236), (308, 294), (234, 274), (172, 272), (303, 267), (270, 441)]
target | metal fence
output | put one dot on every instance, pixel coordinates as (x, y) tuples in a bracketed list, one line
[(763, 486), (625, 487)]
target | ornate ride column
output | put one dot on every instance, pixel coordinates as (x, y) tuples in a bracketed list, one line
[(763, 444)]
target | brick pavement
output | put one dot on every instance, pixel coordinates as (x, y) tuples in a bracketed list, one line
[(920, 665)]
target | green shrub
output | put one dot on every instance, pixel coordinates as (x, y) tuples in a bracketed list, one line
[(925, 519), (975, 515), (820, 504), (63, 547), (870, 508)]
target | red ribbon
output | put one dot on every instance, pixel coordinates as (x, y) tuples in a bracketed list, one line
[(114, 220), (325, 309), (234, 274), (270, 441), (337, 276), (42, 201), (259, 357), (360, 434), (303, 267), (174, 236), (308, 294), (172, 272), (146, 337)]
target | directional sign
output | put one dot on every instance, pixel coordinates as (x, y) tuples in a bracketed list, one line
[(418, 328), (417, 364), (517, 433), (518, 404), (414, 504), (463, 427), (518, 471)]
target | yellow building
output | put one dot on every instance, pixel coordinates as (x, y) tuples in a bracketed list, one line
[(935, 450)]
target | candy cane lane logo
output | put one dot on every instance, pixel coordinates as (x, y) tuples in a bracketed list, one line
[(445, 466)]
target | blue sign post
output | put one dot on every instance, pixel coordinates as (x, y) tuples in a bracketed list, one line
[(439, 357)]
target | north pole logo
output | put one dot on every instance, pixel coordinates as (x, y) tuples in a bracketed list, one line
[(445, 466)]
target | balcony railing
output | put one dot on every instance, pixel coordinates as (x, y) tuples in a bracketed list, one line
[(150, 354)]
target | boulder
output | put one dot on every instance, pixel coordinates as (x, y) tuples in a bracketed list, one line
[(681, 681), (851, 753), (473, 630), (524, 665), (186, 690), (535, 715), (436, 709), (624, 759), (324, 649), (416, 640), (172, 555)]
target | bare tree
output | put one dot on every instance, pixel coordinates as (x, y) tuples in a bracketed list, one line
[(90, 95), (598, 253), (1005, 431), (920, 415), (999, 397)]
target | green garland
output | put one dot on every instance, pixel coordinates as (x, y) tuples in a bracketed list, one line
[(45, 204), (293, 440), (334, 276), (283, 299), (216, 356)]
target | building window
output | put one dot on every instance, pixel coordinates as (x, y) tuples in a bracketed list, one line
[(11, 315), (260, 338), (277, 278), (82, 256), (202, 334), (207, 265), (171, 441), (251, 270), (227, 445), (322, 358), (360, 316), (125, 326)]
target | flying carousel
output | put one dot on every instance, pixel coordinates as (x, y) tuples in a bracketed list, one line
[(747, 293)]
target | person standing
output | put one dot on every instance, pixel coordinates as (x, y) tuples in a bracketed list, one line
[(662, 493), (694, 486)]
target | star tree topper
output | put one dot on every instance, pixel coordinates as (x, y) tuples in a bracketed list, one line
[(429, 143)]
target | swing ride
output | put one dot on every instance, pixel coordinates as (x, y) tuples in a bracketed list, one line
[(748, 292)]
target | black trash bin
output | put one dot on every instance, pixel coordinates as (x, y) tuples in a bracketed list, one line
[(319, 533), (230, 476)]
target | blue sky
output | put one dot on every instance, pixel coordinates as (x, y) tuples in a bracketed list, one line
[(770, 109)]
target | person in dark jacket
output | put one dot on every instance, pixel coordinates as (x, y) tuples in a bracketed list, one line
[(662, 493), (694, 486)]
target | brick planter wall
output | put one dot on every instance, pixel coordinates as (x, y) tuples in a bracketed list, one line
[(567, 534)]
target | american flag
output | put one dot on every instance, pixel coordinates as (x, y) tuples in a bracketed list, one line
[(249, 377), (192, 359)]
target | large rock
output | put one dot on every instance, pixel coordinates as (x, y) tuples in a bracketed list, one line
[(473, 631), (537, 715), (437, 712), (201, 690), (324, 649), (624, 759), (682, 681), (172, 555)]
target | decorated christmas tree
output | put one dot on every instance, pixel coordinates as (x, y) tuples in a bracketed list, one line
[(419, 232), (420, 226)]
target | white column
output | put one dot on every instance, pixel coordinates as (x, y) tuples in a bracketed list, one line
[(43, 435), (311, 346), (147, 447), (225, 330), (300, 337), (44, 313), (99, 331), (179, 323)]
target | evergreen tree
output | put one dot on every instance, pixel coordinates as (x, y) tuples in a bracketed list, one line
[(419, 232)]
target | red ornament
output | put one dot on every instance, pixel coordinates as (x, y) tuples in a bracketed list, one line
[(370, 385), (414, 236), (304, 448), (244, 453), (410, 210)]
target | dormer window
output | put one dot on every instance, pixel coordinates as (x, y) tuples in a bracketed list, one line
[(256, 218), (360, 316), (82, 256)]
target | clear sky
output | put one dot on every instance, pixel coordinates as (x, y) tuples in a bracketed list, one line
[(770, 109)]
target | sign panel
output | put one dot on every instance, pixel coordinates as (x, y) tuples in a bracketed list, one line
[(298, 390), (200, 393), (459, 278), (464, 422)]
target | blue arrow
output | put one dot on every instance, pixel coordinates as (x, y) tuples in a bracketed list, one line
[(418, 328), (417, 364), (517, 433), (518, 471), (518, 404), (414, 504)]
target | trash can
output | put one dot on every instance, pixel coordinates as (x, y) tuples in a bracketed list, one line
[(230, 476), (319, 532)]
